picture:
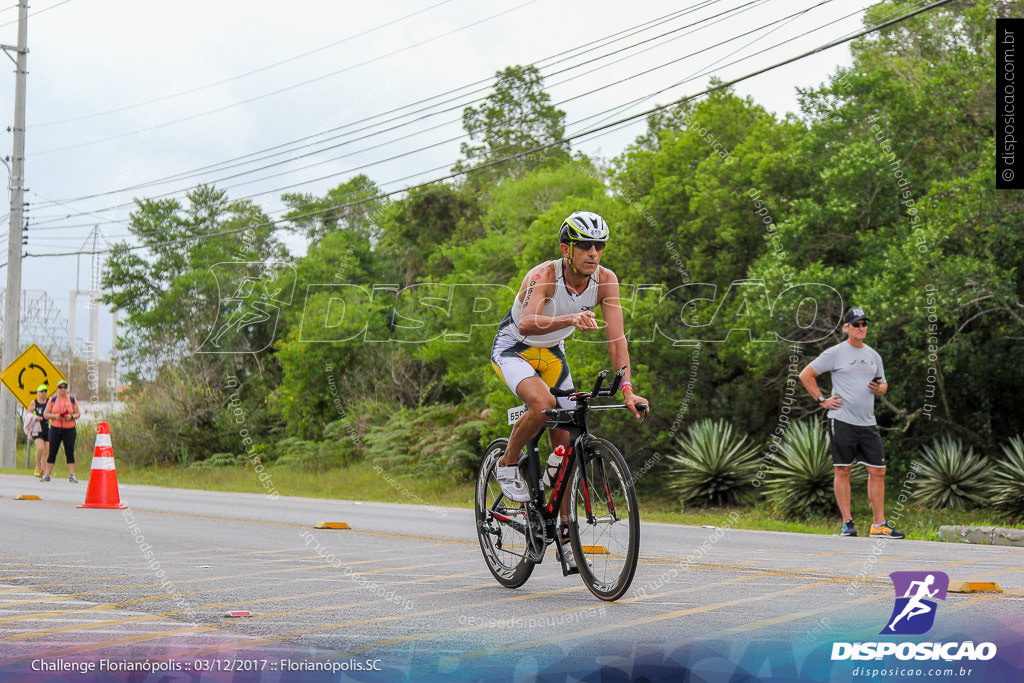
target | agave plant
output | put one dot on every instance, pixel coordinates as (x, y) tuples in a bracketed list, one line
[(800, 479), (1008, 485), (714, 465), (948, 477)]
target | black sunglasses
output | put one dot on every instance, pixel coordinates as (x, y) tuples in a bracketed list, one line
[(585, 246), (862, 323)]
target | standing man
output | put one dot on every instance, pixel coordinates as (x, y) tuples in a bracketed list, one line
[(62, 411), (557, 298), (857, 377)]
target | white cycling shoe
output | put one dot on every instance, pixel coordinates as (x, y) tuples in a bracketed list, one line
[(512, 483), (570, 558)]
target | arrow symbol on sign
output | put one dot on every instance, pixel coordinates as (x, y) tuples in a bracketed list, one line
[(21, 383)]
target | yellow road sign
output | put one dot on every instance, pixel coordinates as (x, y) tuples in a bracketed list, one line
[(31, 369)]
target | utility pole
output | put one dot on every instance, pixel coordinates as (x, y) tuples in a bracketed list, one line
[(12, 307)]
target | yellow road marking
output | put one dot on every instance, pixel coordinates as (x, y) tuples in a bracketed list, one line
[(978, 599), (197, 550), (562, 637), (154, 636), (755, 625), (214, 590), (373, 620), (434, 539), (531, 596), (68, 583), (90, 647), (95, 608), (166, 615), (36, 557), (32, 575), (232, 578), (690, 589), (764, 623), (654, 618)]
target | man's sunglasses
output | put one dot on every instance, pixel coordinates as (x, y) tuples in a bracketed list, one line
[(585, 246), (862, 323)]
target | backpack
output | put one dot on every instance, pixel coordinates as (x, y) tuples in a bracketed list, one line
[(53, 401)]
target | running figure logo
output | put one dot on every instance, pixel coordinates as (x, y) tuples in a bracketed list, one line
[(251, 294), (914, 613)]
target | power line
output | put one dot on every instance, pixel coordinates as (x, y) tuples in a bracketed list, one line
[(520, 155), (721, 17), (618, 108), (583, 121), (618, 111), (461, 136), (485, 83), (261, 69), (709, 70), (45, 9), (280, 90)]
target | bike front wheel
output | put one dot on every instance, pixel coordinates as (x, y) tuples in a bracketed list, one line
[(503, 527), (604, 520)]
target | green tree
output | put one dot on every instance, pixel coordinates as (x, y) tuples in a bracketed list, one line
[(516, 118), (353, 344), (415, 230), (689, 231), (903, 220), (194, 280), (200, 306), (352, 206)]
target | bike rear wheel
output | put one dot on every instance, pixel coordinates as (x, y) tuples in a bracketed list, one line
[(503, 527), (604, 520)]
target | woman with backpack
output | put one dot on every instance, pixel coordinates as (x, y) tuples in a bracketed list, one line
[(62, 411)]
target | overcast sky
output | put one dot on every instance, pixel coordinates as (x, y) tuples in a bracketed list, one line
[(123, 93)]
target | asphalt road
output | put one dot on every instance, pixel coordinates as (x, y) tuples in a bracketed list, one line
[(405, 593)]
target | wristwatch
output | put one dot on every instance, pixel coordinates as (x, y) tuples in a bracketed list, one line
[(821, 398)]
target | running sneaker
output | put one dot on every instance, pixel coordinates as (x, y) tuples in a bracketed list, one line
[(73, 479), (512, 483), (45, 477), (38, 473), (886, 529), (848, 529)]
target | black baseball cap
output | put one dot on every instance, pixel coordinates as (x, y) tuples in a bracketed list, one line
[(853, 315)]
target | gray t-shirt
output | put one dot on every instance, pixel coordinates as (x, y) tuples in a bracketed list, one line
[(852, 369)]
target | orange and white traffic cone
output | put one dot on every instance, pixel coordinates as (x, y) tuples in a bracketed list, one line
[(102, 492)]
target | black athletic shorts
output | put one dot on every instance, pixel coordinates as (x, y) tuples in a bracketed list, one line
[(853, 442)]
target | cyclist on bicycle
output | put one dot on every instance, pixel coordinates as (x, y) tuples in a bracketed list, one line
[(556, 298)]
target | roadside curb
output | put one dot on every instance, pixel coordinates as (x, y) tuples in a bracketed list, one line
[(990, 535)]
